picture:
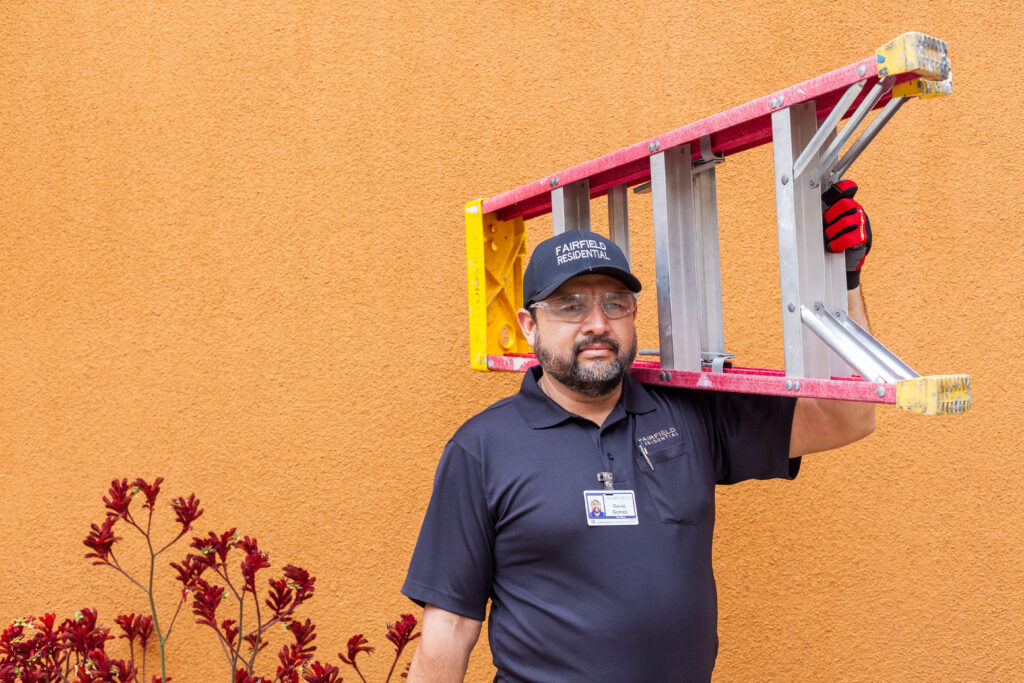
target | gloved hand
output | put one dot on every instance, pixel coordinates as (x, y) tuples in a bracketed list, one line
[(847, 228)]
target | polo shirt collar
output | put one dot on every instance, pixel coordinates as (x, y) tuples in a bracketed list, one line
[(540, 411), (635, 398)]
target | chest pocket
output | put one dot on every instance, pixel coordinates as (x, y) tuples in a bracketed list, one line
[(680, 485)]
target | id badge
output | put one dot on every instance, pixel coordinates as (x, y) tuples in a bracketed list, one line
[(610, 507)]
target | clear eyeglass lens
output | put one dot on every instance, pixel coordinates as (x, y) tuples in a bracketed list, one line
[(576, 307)]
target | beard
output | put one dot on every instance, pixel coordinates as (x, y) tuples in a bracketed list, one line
[(599, 377)]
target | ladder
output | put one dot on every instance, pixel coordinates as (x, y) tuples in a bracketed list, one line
[(823, 345)]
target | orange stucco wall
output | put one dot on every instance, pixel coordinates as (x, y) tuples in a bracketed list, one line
[(232, 255)]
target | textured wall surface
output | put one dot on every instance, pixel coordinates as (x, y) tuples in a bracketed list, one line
[(231, 255)]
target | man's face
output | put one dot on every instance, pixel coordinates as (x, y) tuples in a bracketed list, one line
[(592, 356), (595, 506)]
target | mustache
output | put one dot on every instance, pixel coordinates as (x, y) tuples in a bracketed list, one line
[(587, 341)]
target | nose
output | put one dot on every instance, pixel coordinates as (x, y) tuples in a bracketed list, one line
[(596, 323)]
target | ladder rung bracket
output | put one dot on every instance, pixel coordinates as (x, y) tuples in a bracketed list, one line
[(675, 252), (827, 127), (802, 272), (705, 218), (618, 217), (570, 207), (869, 134), (831, 155), (863, 359), (884, 355), (837, 301)]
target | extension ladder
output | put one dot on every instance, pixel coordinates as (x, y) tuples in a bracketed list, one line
[(822, 343)]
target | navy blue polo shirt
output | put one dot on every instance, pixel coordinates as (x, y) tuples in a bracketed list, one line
[(507, 522)]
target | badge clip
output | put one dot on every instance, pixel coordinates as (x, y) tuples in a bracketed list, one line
[(607, 478)]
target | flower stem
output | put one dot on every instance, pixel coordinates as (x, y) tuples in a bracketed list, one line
[(223, 646), (237, 648), (259, 632), (173, 619), (160, 639), (392, 669), (176, 539), (117, 566)]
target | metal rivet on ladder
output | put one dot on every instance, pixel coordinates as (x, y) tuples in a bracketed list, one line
[(796, 386), (862, 70), (785, 179), (554, 181), (789, 385), (880, 391), (791, 307)]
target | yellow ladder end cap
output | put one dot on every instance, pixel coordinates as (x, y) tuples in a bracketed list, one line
[(914, 52), (935, 394), (923, 88)]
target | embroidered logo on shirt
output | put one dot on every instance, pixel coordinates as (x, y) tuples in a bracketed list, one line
[(659, 437)]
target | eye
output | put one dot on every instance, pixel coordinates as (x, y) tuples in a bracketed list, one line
[(570, 307), (615, 308), (617, 304)]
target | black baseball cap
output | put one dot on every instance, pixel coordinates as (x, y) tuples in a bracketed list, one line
[(572, 253)]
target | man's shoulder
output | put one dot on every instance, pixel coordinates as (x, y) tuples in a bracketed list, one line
[(499, 418), (680, 396), (719, 404)]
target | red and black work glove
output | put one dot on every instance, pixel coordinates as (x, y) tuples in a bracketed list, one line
[(847, 228)]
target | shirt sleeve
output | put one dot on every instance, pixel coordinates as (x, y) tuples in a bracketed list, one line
[(452, 566), (751, 436)]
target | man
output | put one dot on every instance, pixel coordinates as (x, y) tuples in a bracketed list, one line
[(628, 597), (595, 508)]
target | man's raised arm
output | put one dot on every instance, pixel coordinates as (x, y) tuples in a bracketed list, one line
[(821, 424), (443, 652)]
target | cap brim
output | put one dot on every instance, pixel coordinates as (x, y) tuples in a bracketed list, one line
[(623, 276)]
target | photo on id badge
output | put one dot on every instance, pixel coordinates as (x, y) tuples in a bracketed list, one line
[(610, 508)]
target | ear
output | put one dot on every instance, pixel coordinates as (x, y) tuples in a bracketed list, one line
[(527, 325)]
